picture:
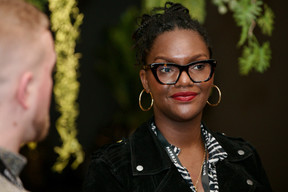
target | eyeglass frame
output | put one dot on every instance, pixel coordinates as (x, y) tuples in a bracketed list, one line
[(154, 66)]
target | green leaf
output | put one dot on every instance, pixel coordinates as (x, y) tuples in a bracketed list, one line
[(40, 4), (243, 35), (264, 57), (255, 57), (245, 13), (266, 21), (246, 61)]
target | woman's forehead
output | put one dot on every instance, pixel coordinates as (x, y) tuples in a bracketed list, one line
[(179, 44)]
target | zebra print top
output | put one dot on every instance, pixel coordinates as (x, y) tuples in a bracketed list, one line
[(216, 153)]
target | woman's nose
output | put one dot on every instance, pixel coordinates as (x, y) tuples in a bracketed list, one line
[(184, 79)]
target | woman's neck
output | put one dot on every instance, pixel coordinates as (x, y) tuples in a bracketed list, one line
[(183, 134)]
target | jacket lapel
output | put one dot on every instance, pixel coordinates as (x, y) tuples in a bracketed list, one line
[(147, 155), (148, 158)]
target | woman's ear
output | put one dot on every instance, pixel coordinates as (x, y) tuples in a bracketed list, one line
[(23, 91), (144, 81)]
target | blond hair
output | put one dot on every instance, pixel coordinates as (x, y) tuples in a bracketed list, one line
[(19, 14), (21, 25)]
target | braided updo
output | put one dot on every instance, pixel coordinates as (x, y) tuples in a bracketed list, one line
[(151, 26)]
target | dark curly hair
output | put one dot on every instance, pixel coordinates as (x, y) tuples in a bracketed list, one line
[(174, 16)]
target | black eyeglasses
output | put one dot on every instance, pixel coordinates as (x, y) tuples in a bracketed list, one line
[(169, 73)]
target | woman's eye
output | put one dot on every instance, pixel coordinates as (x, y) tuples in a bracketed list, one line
[(199, 66), (165, 69)]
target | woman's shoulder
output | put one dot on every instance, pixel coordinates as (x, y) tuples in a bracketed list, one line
[(118, 154), (235, 146), (230, 139), (112, 151), (109, 166), (244, 158)]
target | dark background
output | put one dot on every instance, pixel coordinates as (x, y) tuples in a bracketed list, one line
[(253, 107)]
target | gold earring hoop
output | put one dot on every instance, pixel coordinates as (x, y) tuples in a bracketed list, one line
[(219, 98), (140, 103)]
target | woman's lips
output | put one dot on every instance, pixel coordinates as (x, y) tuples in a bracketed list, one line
[(184, 96)]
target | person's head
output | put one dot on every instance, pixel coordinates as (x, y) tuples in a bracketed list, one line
[(27, 58), (163, 40)]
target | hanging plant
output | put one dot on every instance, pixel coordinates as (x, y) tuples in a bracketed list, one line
[(65, 22), (249, 14)]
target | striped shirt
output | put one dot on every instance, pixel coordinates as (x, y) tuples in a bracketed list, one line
[(216, 153)]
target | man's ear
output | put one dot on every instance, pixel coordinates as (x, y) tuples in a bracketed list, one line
[(23, 91), (144, 81)]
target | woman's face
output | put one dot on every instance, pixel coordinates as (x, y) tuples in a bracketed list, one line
[(185, 100)]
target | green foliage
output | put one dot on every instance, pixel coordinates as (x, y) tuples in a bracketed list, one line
[(65, 22), (40, 4), (255, 56), (118, 68), (196, 7), (245, 13), (266, 21), (249, 14), (122, 66)]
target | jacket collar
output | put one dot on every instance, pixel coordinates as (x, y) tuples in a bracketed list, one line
[(236, 148), (148, 156)]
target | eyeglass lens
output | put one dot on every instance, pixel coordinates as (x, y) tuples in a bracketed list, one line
[(169, 73)]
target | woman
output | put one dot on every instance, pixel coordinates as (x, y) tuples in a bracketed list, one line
[(174, 151)]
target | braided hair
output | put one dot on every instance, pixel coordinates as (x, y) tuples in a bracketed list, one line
[(174, 15)]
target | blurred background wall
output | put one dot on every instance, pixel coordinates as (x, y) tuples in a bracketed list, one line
[(253, 107)]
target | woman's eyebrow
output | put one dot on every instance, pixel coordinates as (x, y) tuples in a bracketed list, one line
[(166, 59), (172, 60)]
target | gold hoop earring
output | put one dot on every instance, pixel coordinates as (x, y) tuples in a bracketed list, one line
[(219, 98), (140, 104)]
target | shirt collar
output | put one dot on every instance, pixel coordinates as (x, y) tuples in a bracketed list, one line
[(14, 162), (215, 150)]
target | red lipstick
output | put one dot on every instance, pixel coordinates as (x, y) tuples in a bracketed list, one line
[(184, 96)]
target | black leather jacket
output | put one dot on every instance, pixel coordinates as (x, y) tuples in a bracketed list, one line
[(141, 164)]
